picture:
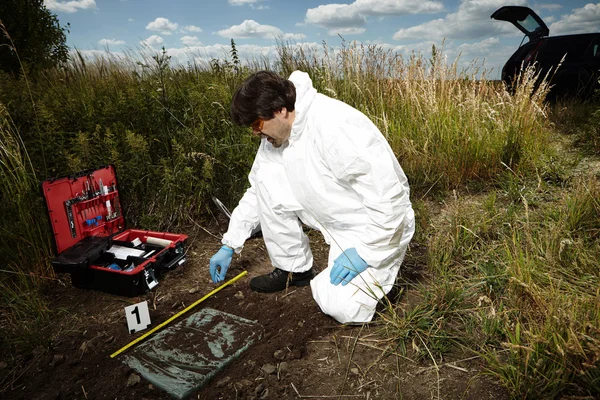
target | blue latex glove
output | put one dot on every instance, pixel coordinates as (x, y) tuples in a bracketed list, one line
[(346, 267), (219, 263)]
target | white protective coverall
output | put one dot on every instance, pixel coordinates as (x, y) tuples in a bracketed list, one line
[(338, 174)]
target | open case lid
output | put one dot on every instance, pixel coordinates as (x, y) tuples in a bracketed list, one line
[(83, 205)]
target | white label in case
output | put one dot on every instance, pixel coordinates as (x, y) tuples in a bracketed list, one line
[(138, 317)]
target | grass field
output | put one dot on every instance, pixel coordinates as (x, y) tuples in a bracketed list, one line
[(505, 188)]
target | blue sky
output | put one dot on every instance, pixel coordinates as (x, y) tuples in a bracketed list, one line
[(202, 29)]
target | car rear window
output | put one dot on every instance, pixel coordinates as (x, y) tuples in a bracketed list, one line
[(529, 23)]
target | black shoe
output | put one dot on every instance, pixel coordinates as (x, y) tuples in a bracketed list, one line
[(279, 280)]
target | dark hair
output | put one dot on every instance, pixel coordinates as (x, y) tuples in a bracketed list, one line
[(260, 96)]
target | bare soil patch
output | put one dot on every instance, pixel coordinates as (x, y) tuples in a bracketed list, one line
[(303, 354)]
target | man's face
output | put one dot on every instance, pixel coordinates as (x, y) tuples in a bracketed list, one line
[(277, 129)]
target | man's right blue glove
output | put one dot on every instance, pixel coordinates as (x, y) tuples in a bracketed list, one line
[(219, 263)]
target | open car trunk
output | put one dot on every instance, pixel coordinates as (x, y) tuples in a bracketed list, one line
[(525, 19)]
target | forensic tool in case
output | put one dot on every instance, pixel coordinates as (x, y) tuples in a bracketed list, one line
[(91, 241)]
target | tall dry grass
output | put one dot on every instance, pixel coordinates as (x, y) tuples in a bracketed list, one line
[(515, 280), (514, 271), (24, 240), (449, 125)]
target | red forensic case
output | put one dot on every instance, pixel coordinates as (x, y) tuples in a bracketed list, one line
[(91, 242)]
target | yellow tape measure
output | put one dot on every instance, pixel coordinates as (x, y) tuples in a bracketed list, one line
[(179, 314)]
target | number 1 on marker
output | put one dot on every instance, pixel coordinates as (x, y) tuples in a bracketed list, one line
[(136, 311)]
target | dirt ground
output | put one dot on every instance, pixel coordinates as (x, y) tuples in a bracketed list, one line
[(303, 353)]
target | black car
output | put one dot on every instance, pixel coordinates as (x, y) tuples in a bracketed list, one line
[(579, 72)]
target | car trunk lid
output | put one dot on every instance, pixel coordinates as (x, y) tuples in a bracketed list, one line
[(525, 19)]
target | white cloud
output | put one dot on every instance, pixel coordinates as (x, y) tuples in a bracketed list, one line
[(354, 16), (242, 2), (162, 25), (406, 50), (88, 54), (261, 55), (547, 6), (130, 20), (251, 29), (252, 3), (191, 28), (345, 31), (294, 36), (471, 21), (480, 49), (398, 7), (111, 42), (153, 41), (99, 54), (191, 41), (69, 6), (581, 20), (184, 54), (335, 16), (490, 49), (204, 54), (486, 56), (438, 28)]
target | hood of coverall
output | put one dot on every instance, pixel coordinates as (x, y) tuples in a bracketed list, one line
[(305, 93)]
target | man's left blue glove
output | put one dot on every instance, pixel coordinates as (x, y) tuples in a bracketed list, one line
[(219, 263), (346, 267)]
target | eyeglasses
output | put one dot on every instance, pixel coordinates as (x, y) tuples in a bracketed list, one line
[(258, 125)]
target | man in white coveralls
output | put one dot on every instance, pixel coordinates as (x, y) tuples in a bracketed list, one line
[(325, 164)]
